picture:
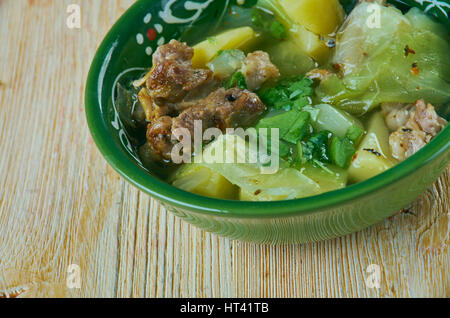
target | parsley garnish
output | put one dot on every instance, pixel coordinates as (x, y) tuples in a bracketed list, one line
[(294, 93), (237, 80)]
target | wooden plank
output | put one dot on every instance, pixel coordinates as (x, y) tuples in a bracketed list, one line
[(61, 204)]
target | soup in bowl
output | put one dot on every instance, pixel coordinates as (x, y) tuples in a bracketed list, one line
[(265, 121)]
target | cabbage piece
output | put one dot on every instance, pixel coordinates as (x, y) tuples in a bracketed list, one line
[(398, 58), (226, 63), (252, 178), (334, 120), (333, 179)]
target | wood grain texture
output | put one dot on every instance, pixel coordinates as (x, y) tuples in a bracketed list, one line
[(61, 204)]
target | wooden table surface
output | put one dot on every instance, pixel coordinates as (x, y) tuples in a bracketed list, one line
[(61, 204)]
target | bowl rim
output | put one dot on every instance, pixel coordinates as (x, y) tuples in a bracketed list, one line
[(169, 194)]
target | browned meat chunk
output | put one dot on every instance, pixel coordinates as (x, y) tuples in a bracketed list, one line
[(427, 119), (159, 135), (171, 80), (176, 95), (257, 69), (417, 127), (221, 109), (151, 109), (197, 113), (172, 75)]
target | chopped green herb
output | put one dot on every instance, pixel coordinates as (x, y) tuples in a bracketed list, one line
[(283, 122), (316, 148), (299, 160), (273, 97), (278, 31), (301, 87), (300, 103), (237, 80), (299, 129), (284, 150), (293, 93), (354, 133), (284, 105), (293, 125), (342, 151)]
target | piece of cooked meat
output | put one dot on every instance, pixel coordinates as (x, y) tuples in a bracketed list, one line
[(422, 124), (151, 109), (159, 135), (427, 118), (404, 143), (172, 75), (221, 109), (171, 80), (175, 95), (188, 118), (257, 69), (396, 115)]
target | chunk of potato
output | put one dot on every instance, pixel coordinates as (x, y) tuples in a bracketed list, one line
[(321, 17), (306, 40), (373, 155), (239, 38), (204, 181), (309, 43)]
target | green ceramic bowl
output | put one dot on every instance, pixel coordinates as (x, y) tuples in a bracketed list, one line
[(125, 54)]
